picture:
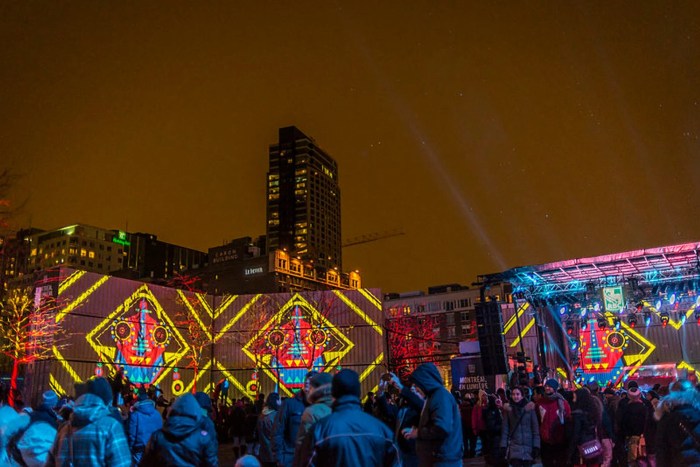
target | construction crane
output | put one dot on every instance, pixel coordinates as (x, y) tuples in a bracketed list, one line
[(371, 237)]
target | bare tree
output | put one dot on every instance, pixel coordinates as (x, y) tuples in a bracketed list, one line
[(30, 331)]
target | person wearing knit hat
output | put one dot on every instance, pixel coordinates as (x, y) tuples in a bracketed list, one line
[(349, 436), (552, 383), (555, 414), (320, 400), (45, 412), (632, 416), (346, 383)]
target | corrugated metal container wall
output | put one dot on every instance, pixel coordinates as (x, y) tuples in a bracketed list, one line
[(253, 341)]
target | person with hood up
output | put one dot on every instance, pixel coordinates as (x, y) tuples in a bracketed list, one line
[(92, 436), (678, 429), (11, 423), (349, 436), (205, 405), (520, 432), (144, 420), (266, 422), (320, 400), (439, 432), (184, 439), (284, 439), (406, 414), (45, 412), (554, 413)]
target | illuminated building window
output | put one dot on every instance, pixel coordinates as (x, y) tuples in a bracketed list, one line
[(83, 253), (273, 196), (91, 254), (33, 252)]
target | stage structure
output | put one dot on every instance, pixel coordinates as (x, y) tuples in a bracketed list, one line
[(230, 345), (609, 318)]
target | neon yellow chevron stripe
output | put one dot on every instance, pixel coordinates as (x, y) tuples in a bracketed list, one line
[(372, 366), (223, 306), (194, 312), (78, 301), (237, 317), (56, 386), (65, 365), (511, 320), (370, 297), (236, 383), (200, 373), (70, 280), (359, 312), (524, 332)]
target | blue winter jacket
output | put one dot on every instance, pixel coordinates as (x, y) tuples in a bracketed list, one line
[(143, 422), (439, 441), (351, 437), (185, 438)]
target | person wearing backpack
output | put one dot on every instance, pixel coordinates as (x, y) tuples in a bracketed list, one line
[(520, 433), (554, 413), (633, 416)]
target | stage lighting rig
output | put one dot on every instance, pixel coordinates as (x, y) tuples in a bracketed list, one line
[(632, 320), (647, 318), (664, 317)]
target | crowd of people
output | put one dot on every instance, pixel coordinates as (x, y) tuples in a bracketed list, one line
[(411, 422), (588, 425)]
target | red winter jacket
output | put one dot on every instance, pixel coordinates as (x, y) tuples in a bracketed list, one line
[(554, 413)]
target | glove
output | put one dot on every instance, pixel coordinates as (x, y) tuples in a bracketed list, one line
[(535, 453)]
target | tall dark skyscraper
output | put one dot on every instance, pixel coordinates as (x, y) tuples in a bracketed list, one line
[(303, 200)]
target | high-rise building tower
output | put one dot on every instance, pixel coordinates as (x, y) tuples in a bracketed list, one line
[(303, 200)]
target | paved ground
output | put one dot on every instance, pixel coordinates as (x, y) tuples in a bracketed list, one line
[(226, 458)]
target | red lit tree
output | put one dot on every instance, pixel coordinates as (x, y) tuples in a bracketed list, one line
[(199, 338), (412, 341), (29, 332)]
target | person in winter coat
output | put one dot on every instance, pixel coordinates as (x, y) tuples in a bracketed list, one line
[(266, 422), (439, 432), (45, 412), (520, 432), (11, 423), (585, 419), (468, 434), (183, 440), (490, 437), (678, 428), (31, 448), (238, 429), (478, 424), (633, 417), (320, 400), (287, 424), (92, 436), (349, 436), (144, 420), (405, 414), (554, 413)]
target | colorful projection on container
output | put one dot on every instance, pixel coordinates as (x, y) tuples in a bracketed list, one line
[(253, 342)]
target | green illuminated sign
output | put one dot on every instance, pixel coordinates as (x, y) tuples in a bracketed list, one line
[(614, 300), (121, 239)]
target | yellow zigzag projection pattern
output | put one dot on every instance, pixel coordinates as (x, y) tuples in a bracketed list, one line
[(203, 310)]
